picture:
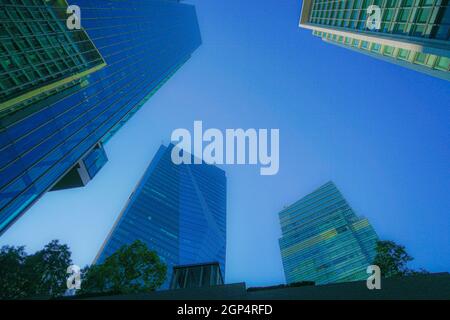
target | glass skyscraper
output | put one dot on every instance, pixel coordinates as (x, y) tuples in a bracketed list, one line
[(177, 210), (413, 33), (65, 92), (324, 241)]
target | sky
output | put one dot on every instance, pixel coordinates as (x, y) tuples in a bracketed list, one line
[(379, 131)]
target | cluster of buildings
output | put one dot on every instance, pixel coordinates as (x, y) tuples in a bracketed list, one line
[(64, 93)]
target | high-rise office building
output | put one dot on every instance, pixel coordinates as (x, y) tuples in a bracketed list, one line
[(411, 33), (177, 210), (65, 92), (324, 241)]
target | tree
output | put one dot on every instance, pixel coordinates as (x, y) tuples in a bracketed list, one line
[(131, 269), (40, 274), (47, 270), (12, 278), (393, 260)]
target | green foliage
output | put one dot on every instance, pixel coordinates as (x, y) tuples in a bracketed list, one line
[(131, 269), (40, 274), (47, 269), (393, 260), (12, 260)]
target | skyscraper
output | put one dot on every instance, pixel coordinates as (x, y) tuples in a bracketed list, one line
[(177, 210), (324, 241), (41, 56), (65, 92), (412, 33)]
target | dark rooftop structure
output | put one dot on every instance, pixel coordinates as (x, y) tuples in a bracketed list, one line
[(417, 287), (196, 276)]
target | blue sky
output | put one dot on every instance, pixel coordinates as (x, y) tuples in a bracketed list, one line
[(379, 131)]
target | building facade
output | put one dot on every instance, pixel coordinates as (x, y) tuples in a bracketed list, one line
[(412, 33), (324, 241), (177, 210), (65, 92)]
